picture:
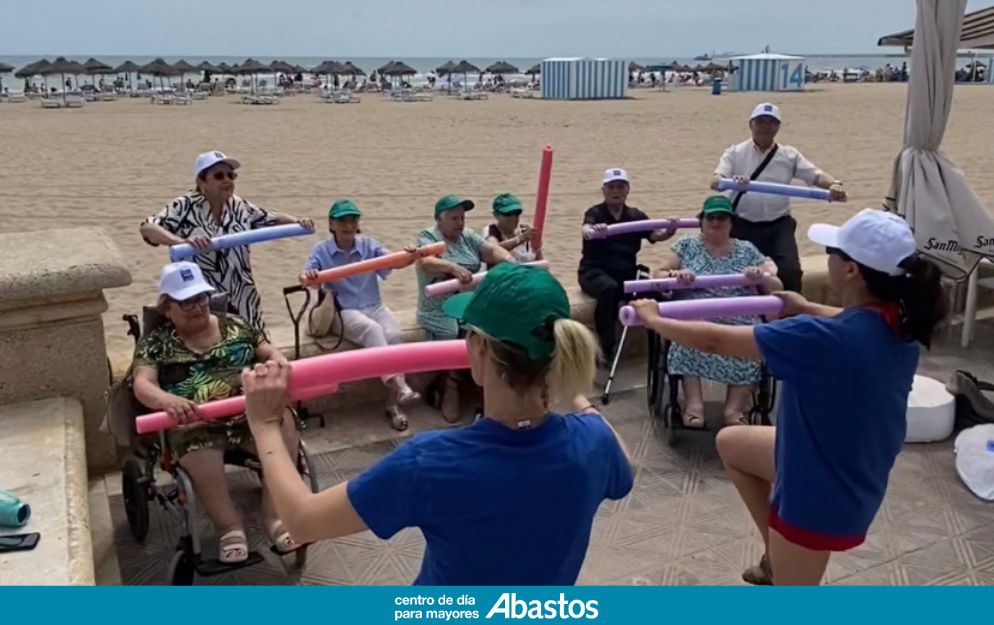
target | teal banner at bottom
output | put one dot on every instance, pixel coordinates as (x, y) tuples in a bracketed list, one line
[(463, 605)]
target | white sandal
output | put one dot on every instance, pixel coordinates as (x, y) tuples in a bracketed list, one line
[(233, 547), (283, 543)]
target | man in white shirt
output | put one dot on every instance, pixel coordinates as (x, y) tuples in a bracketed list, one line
[(764, 219)]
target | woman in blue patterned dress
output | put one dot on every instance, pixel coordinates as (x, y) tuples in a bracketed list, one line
[(715, 252)]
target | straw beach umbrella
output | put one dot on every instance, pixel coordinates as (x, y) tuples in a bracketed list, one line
[(465, 68), (34, 69), (94, 67), (4, 69), (502, 67), (159, 68), (184, 68), (63, 66), (252, 68), (127, 68), (353, 70)]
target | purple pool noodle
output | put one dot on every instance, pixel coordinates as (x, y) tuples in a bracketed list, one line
[(700, 282), (185, 251), (772, 188), (692, 310), (646, 224)]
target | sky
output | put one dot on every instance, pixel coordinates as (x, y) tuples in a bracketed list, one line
[(449, 28)]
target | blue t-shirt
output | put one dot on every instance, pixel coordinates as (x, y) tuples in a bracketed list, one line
[(497, 506), (842, 417)]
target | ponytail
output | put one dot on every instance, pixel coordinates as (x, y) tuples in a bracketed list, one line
[(574, 363), (566, 374), (918, 294)]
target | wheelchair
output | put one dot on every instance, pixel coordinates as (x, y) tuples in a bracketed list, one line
[(139, 487), (663, 392)]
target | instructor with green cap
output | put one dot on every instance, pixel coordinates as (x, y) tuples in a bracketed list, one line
[(465, 252), (509, 500)]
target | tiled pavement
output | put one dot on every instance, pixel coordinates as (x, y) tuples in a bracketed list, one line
[(682, 523)]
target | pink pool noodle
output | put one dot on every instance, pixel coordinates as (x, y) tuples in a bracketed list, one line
[(645, 224), (542, 201), (700, 282), (454, 286), (321, 375), (394, 260), (690, 310)]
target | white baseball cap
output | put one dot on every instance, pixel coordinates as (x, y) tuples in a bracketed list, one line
[(212, 158), (610, 175), (182, 280), (875, 238), (768, 109)]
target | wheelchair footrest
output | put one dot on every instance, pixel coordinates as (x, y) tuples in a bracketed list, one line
[(208, 567)]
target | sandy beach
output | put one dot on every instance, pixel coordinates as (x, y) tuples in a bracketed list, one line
[(112, 164)]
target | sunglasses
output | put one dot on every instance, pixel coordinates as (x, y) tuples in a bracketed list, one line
[(834, 251), (189, 304), (221, 175), (718, 216)]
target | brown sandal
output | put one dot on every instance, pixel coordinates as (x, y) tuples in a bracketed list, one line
[(450, 400), (759, 574)]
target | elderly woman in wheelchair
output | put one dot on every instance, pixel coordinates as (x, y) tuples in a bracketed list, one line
[(712, 252), (196, 356)]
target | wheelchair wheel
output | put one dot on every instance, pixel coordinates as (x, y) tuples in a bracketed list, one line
[(134, 488), (182, 568)]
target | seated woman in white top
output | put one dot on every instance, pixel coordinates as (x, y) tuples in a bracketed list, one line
[(508, 231)]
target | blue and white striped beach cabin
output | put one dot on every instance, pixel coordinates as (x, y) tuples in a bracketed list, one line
[(584, 79), (769, 72)]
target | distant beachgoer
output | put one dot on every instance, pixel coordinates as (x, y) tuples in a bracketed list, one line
[(209, 210), (762, 219)]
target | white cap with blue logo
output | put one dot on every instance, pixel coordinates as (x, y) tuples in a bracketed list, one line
[(766, 109), (610, 175), (181, 281), (209, 159)]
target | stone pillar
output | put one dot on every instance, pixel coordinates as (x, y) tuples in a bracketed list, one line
[(51, 332)]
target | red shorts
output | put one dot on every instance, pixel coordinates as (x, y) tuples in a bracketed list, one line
[(816, 541)]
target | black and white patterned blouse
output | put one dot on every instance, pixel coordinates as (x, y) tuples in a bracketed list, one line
[(227, 270)]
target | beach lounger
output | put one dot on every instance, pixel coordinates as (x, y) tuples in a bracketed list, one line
[(108, 96), (198, 95), (473, 95), (345, 98), (74, 101), (51, 103), (15, 97)]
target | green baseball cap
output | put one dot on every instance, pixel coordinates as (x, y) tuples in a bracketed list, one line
[(718, 204), (514, 304), (344, 208), (507, 204), (449, 202)]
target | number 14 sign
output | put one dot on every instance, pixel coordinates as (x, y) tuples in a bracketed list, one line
[(792, 76)]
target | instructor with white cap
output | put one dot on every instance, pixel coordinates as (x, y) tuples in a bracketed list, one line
[(762, 219)]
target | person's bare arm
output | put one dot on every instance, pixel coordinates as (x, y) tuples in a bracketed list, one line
[(434, 266), (670, 262), (155, 234), (266, 351), (307, 516), (772, 283), (148, 392), (493, 254), (581, 404)]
